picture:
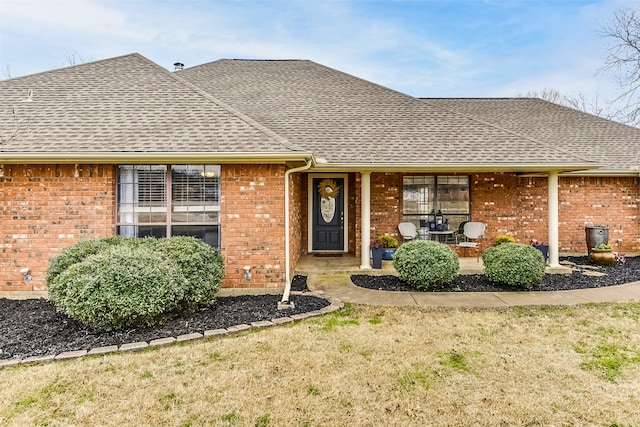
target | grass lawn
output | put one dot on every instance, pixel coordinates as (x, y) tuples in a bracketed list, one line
[(362, 366)]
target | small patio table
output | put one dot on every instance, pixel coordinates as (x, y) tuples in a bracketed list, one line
[(441, 236)]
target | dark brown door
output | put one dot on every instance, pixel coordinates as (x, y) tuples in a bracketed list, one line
[(328, 214)]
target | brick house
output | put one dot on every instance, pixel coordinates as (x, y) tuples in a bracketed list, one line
[(271, 160)]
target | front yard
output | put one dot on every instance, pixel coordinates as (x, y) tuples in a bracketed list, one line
[(362, 366)]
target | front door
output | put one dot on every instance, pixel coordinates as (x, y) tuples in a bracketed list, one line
[(328, 214)]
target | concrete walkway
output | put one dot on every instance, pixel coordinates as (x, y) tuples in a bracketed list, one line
[(339, 286), (330, 277)]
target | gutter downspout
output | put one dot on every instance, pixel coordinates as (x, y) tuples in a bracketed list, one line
[(285, 303)]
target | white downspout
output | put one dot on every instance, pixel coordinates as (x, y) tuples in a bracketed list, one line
[(284, 303)]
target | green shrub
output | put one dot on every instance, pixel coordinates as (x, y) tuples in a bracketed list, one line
[(81, 250), (426, 264), (201, 265), (73, 255), (198, 266), (514, 264), (121, 286), (504, 238)]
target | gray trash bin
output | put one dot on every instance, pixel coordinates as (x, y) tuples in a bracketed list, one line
[(596, 235)]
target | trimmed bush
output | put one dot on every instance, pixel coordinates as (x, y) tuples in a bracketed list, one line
[(426, 264), (73, 255), (178, 273), (201, 265), (81, 250), (121, 286), (514, 264)]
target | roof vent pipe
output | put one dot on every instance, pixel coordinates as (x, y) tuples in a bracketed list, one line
[(178, 66)]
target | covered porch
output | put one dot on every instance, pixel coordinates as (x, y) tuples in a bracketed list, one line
[(314, 264)]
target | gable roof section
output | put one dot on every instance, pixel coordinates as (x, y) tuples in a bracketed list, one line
[(126, 109), (614, 144), (353, 123)]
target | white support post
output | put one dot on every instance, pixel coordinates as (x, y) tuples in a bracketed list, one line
[(554, 253), (365, 219)]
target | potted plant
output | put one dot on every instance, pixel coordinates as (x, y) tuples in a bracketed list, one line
[(603, 247), (377, 253), (542, 247), (602, 254), (390, 244), (504, 238)]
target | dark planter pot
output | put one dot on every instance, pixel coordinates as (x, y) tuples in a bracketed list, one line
[(377, 254), (388, 254), (596, 235), (544, 249)]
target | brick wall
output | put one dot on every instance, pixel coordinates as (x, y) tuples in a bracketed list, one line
[(518, 206), (510, 204), (386, 204), (252, 219), (608, 201), (45, 208)]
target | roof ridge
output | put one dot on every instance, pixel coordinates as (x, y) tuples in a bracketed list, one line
[(68, 67), (242, 59), (284, 142)]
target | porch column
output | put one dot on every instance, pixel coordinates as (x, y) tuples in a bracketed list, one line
[(554, 261), (365, 219)]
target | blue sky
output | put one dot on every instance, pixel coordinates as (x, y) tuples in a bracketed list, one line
[(430, 48)]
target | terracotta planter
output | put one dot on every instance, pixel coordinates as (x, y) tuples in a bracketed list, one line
[(602, 256)]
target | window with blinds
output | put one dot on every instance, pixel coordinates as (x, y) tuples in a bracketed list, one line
[(163, 201)]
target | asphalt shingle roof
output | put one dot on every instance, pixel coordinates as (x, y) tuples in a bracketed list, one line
[(349, 121), (591, 137), (125, 104), (291, 108)]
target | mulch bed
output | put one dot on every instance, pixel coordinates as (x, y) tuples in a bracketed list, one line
[(615, 274), (34, 328)]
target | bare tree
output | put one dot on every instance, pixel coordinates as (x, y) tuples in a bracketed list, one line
[(592, 106), (11, 127), (551, 95), (73, 58), (623, 60), (578, 102), (76, 58), (6, 72)]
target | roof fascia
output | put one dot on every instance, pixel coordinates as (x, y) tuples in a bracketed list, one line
[(460, 168), (154, 158), (603, 173)]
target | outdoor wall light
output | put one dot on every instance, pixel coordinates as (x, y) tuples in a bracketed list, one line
[(25, 274), (247, 272)]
